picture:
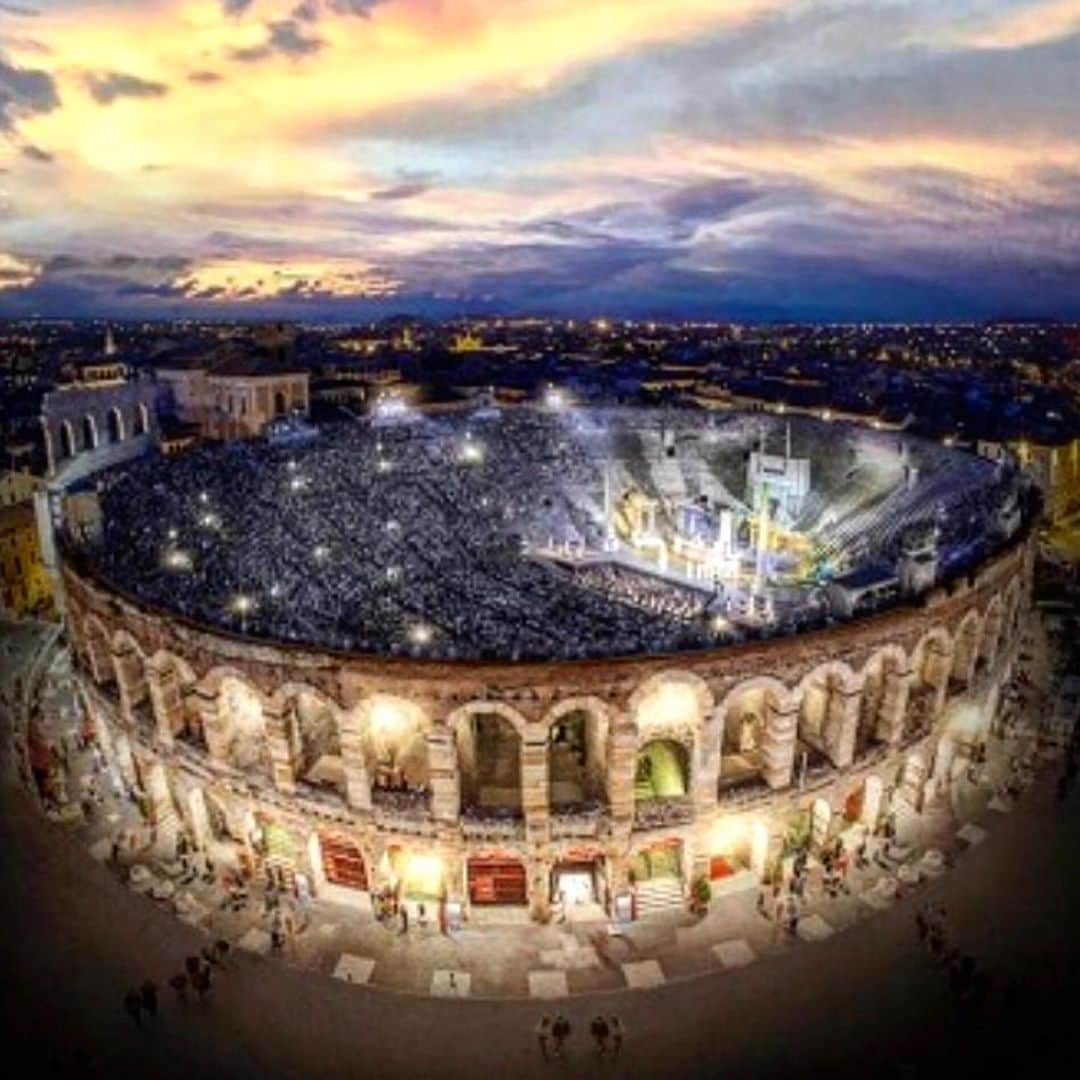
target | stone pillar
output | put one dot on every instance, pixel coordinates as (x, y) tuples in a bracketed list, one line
[(706, 774), (622, 762), (778, 744), (539, 871), (912, 777), (280, 746), (937, 666), (820, 816), (200, 820), (894, 701), (167, 702), (534, 787), (215, 726), (967, 652), (357, 781), (871, 802), (841, 725), (128, 668), (443, 773)]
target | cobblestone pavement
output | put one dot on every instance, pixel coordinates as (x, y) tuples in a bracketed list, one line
[(77, 936)]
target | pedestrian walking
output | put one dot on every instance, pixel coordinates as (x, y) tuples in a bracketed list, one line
[(543, 1033), (201, 982), (191, 966), (560, 1032), (600, 1031), (617, 1032), (403, 914), (133, 1006), (149, 994), (179, 983)]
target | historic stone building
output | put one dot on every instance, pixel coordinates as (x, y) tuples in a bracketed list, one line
[(505, 788)]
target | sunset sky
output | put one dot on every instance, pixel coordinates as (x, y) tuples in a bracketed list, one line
[(340, 159)]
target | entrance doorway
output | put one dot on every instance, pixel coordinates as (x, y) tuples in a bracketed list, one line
[(497, 880), (343, 863)]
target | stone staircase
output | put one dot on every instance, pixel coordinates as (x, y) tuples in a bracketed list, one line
[(659, 894)]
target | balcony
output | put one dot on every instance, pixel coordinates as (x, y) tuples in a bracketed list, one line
[(579, 821), (662, 813), (406, 811), (492, 823)]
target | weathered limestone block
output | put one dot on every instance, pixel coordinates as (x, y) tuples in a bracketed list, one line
[(443, 774), (842, 724), (778, 744), (281, 749), (534, 787), (894, 702)]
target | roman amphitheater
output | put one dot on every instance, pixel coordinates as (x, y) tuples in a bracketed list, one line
[(502, 664)]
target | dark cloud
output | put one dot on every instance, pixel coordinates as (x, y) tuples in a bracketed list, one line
[(205, 77), (285, 37), (363, 8), (235, 7), (408, 190), (18, 9), (36, 154), (307, 11), (24, 92), (108, 86)]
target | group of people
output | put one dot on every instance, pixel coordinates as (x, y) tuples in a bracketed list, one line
[(402, 539), (967, 981), (141, 1002), (552, 1033)]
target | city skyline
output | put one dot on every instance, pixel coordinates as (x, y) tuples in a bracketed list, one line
[(333, 160)]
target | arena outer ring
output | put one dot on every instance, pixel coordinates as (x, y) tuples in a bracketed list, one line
[(147, 675)]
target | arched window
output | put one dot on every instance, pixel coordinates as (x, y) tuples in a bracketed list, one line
[(67, 440), (89, 427), (116, 425), (142, 419)]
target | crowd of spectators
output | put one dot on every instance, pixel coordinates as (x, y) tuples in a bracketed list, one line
[(409, 538)]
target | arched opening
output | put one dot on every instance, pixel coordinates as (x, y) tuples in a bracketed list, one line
[(656, 871), (742, 737), (489, 753), (131, 674), (67, 441), (930, 668), (396, 753), (115, 421), (342, 861), (175, 707), (275, 848), (244, 728), (142, 419), (812, 750), (577, 760), (314, 741), (497, 879), (280, 404), (89, 432), (879, 703), (965, 651), (662, 771)]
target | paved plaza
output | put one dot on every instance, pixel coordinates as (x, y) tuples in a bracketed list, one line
[(728, 990)]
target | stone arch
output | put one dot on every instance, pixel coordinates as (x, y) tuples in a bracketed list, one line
[(114, 421), (884, 697), (307, 725), (89, 432), (171, 681), (671, 693), (392, 731), (931, 665), (234, 718), (578, 748), (740, 731), (829, 699), (966, 643), (490, 738), (129, 663), (142, 419)]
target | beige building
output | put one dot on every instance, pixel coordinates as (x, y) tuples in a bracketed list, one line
[(231, 394)]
